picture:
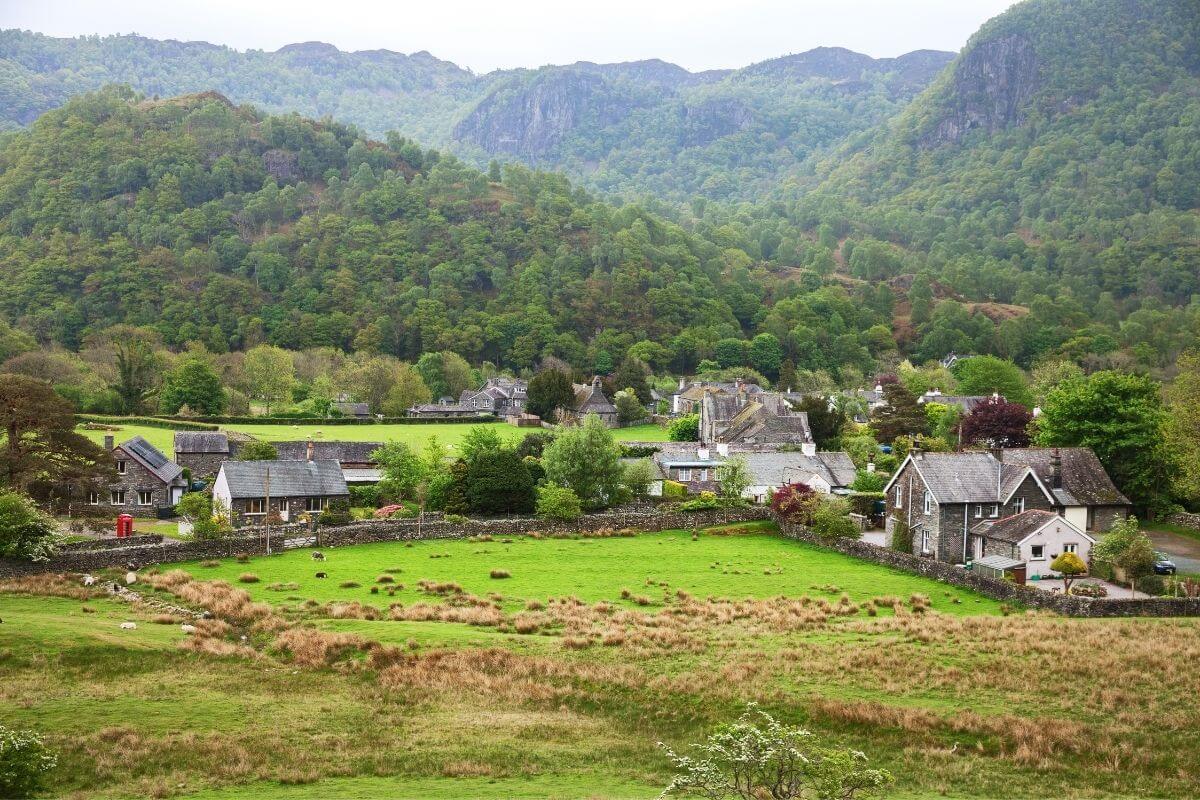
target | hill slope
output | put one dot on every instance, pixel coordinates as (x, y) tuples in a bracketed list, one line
[(632, 128)]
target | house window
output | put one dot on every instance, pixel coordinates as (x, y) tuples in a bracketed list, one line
[(1019, 505), (978, 512), (117, 497), (994, 511), (120, 467), (145, 498), (928, 502), (703, 475), (1091, 518), (256, 505), (1037, 553), (315, 503), (93, 498), (924, 541), (899, 497), (1070, 548), (685, 474)]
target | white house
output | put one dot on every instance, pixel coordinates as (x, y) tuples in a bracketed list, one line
[(1035, 537)]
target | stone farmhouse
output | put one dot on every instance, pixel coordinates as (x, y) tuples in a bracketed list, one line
[(500, 396), (355, 410), (250, 490), (943, 497), (148, 483), (687, 398)]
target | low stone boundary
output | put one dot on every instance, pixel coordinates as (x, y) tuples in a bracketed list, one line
[(111, 543), (255, 542), (1004, 591), (1185, 520)]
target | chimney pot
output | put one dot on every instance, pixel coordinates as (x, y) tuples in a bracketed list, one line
[(108, 443), (309, 451)]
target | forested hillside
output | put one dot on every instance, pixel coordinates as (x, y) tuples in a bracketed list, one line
[(637, 128), (1055, 167)]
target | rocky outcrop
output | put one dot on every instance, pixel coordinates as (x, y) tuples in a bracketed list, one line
[(529, 119), (711, 119), (849, 71), (991, 88)]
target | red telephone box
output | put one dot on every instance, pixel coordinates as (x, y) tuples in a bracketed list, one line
[(124, 526)]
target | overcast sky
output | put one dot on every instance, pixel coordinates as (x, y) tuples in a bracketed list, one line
[(488, 34)]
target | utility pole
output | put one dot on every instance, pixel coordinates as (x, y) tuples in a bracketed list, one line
[(267, 511)]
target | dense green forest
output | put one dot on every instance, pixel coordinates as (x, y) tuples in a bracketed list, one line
[(1037, 202), (632, 129)]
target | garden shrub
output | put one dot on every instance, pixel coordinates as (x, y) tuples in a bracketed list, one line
[(24, 762), (558, 503), (795, 503), (337, 512), (673, 490), (365, 496), (902, 537), (705, 501), (831, 519)]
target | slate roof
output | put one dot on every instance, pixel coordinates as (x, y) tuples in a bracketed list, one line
[(777, 469), (1015, 528), (288, 478), (344, 452), (965, 403), (434, 409), (353, 409), (201, 442), (590, 399), (1084, 481), (971, 477), (998, 562), (152, 459)]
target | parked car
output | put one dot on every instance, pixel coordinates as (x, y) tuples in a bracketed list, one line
[(1163, 565)]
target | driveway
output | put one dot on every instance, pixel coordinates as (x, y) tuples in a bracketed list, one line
[(1183, 550), (1115, 590), (876, 536)]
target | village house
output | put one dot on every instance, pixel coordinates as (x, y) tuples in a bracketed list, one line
[(202, 452), (355, 458), (250, 490), (942, 496), (589, 399), (964, 403), (1034, 538), (769, 468), (687, 398), (148, 483), (499, 396), (355, 410), (759, 418)]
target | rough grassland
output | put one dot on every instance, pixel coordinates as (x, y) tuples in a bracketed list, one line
[(450, 434), (551, 684)]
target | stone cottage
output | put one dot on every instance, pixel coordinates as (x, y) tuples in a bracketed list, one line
[(1034, 537), (250, 490), (148, 483), (202, 452), (589, 399)]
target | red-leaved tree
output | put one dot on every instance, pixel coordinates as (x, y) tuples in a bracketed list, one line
[(997, 423), (795, 502)]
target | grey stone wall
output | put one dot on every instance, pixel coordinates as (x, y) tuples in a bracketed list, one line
[(1001, 590), (204, 466), (254, 540), (1185, 519), (136, 478)]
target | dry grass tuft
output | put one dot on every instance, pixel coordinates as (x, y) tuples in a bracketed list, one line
[(248, 577), (500, 573), (310, 647)]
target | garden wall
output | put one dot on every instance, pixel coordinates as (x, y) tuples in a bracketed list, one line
[(998, 589), (254, 541), (1186, 520)]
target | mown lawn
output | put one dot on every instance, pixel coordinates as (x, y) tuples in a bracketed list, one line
[(450, 435), (551, 684)]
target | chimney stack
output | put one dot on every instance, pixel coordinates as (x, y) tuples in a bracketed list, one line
[(1055, 469), (108, 443), (309, 453), (915, 452)]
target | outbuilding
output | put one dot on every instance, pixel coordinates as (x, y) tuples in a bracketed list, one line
[(1034, 538)]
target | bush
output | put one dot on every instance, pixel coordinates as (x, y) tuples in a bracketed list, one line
[(831, 519), (248, 577), (684, 429), (795, 503), (673, 490), (559, 503), (336, 513), (257, 451), (498, 482), (705, 501), (25, 532), (24, 762), (365, 496)]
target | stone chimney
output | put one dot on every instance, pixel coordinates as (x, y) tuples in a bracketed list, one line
[(108, 443), (596, 383), (915, 452), (308, 456), (1055, 469)]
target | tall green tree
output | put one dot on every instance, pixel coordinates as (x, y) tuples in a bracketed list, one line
[(547, 392), (25, 532), (1121, 418), (194, 384), (1183, 424), (270, 375), (900, 415), (498, 482), (587, 460), (983, 375), (137, 375)]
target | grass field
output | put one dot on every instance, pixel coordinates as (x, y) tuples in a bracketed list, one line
[(449, 434), (556, 682)]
